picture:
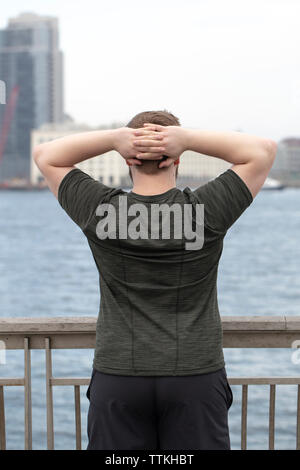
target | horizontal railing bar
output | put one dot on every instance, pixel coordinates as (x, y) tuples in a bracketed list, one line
[(264, 380), (11, 382), (60, 381), (232, 380), (69, 381)]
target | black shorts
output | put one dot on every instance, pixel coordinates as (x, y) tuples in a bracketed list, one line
[(159, 412)]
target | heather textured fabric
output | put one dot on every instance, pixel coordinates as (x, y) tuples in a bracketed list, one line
[(158, 310)]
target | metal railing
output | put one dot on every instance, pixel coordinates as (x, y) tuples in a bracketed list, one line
[(79, 333)]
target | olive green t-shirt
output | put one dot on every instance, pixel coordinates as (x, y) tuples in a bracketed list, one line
[(158, 311)]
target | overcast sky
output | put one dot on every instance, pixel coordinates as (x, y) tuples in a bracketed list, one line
[(216, 64)]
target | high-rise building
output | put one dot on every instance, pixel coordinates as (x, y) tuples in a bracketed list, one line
[(31, 60)]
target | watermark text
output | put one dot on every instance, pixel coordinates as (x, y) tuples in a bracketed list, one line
[(159, 221)]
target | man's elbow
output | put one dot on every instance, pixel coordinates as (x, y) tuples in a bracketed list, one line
[(39, 155), (265, 158), (270, 150)]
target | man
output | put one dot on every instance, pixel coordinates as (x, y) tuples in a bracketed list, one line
[(159, 378)]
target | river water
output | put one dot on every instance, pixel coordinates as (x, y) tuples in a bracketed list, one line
[(47, 270)]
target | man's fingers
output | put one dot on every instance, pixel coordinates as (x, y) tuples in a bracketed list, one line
[(151, 136), (134, 161), (166, 163), (154, 150), (149, 156), (148, 132), (148, 143), (155, 127)]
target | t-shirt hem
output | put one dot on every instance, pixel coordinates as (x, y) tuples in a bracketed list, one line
[(160, 371)]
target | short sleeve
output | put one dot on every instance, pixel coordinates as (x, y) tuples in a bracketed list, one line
[(79, 195), (225, 198)]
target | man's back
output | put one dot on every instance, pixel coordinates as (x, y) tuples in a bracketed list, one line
[(159, 380), (159, 310)]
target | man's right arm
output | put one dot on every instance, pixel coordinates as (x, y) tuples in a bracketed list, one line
[(252, 157)]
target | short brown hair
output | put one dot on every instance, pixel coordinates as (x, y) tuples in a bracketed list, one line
[(163, 118)]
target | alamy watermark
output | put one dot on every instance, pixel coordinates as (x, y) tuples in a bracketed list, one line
[(2, 353), (2, 92), (145, 222), (295, 358)]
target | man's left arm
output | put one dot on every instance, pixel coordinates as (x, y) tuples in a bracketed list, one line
[(56, 158), (76, 191)]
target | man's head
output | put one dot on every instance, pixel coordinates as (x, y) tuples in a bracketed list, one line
[(163, 118)]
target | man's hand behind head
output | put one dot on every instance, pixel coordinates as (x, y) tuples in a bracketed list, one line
[(173, 141), (124, 144)]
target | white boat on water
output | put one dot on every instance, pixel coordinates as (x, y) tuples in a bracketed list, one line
[(271, 183)]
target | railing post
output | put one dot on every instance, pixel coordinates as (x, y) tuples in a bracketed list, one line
[(49, 393), (2, 420), (298, 419), (77, 416), (244, 417), (272, 417), (27, 396)]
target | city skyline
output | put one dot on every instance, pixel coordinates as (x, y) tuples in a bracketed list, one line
[(31, 65), (228, 66)]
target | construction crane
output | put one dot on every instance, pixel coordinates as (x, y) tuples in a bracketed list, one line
[(8, 116)]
